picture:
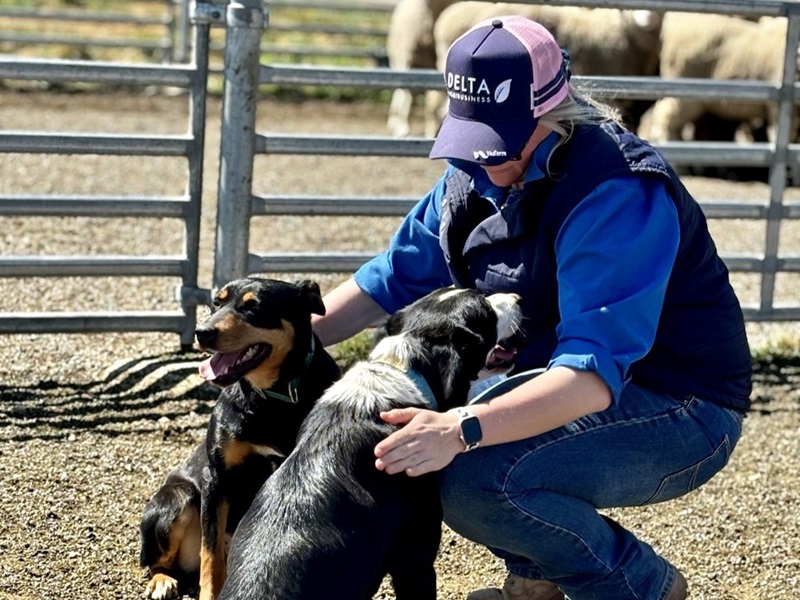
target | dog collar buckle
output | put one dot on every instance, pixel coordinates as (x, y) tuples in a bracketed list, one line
[(293, 395)]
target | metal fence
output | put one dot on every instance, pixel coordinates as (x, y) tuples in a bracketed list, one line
[(352, 29), (245, 22), (192, 77), (238, 204), (161, 31)]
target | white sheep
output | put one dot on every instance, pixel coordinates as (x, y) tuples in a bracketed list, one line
[(409, 45), (712, 46), (601, 41)]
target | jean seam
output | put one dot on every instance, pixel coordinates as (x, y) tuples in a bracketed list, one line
[(667, 583), (598, 427), (577, 434), (572, 534)]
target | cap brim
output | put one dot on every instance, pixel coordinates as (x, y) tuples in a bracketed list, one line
[(481, 143)]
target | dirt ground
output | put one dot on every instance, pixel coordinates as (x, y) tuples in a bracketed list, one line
[(90, 424)]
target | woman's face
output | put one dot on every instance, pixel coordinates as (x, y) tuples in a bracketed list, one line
[(513, 171)]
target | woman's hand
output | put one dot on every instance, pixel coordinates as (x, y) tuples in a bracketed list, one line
[(427, 442)]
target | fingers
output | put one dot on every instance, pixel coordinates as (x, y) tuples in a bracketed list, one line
[(420, 446), (409, 458), (400, 416), (413, 466)]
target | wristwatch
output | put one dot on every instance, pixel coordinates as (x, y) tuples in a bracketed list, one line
[(471, 432)]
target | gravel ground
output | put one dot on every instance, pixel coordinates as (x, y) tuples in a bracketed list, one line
[(90, 424)]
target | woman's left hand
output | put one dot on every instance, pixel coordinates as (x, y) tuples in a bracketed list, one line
[(428, 441)]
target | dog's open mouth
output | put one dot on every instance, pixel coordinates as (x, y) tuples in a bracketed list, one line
[(501, 357), (226, 368)]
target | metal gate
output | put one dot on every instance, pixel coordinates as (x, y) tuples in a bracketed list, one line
[(192, 77), (245, 22), (237, 204)]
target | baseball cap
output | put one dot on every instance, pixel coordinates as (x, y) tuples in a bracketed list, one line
[(501, 76)]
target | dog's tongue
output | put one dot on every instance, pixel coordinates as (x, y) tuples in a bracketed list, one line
[(501, 355), (218, 365)]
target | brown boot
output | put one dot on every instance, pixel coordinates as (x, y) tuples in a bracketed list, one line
[(519, 588), (485, 594), (678, 590)]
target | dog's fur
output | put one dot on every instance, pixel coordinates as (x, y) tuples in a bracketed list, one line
[(273, 369), (170, 529), (328, 523)]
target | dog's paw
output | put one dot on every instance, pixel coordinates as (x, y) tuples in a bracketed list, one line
[(162, 587)]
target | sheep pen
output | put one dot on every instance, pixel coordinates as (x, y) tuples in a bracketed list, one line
[(91, 423), (723, 47)]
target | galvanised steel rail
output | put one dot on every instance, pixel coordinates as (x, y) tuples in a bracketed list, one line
[(246, 21), (167, 21), (235, 259), (190, 146)]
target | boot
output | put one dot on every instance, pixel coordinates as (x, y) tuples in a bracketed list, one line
[(678, 590), (519, 588)]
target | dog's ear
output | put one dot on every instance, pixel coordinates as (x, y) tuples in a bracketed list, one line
[(394, 323), (311, 294)]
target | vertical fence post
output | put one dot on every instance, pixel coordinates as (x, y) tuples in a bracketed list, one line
[(780, 162), (246, 21)]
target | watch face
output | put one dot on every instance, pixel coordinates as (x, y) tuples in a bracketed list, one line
[(471, 430)]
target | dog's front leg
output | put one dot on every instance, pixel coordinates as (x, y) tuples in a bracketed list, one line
[(411, 564), (214, 517)]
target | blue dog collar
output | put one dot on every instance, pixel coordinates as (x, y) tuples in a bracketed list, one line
[(419, 382), (424, 388)]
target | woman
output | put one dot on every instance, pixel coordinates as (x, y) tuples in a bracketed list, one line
[(643, 364)]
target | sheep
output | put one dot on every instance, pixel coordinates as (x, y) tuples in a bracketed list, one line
[(601, 41), (409, 45), (716, 47)]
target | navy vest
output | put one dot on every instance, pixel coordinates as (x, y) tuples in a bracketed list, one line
[(700, 346)]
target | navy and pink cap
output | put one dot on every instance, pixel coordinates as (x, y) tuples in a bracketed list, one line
[(501, 76)]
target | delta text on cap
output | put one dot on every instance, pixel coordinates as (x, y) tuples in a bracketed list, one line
[(501, 76)]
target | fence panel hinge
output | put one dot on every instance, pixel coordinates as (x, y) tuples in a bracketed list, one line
[(206, 12), (193, 296)]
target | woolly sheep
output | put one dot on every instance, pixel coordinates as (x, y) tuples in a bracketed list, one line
[(409, 45), (601, 41), (715, 47)]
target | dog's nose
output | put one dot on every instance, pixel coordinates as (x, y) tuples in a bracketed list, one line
[(206, 336)]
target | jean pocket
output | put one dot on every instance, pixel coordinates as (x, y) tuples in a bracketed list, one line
[(690, 478)]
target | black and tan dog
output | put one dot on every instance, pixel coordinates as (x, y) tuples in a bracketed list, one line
[(328, 524), (272, 368)]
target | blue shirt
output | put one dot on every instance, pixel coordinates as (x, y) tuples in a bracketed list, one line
[(614, 256)]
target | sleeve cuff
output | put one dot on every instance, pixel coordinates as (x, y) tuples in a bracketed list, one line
[(588, 357)]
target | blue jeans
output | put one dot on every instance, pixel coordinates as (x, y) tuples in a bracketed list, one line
[(534, 502)]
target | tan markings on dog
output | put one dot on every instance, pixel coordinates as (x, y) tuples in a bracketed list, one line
[(212, 560), (206, 573), (236, 452), (267, 451), (234, 334), (190, 532), (248, 297), (222, 294), (266, 374), (183, 530)]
